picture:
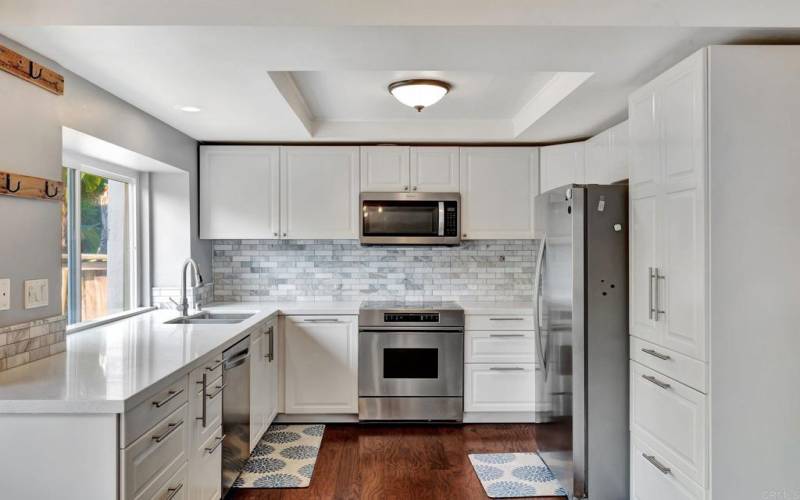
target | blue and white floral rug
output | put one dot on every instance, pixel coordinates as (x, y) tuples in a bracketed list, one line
[(284, 458), (514, 475)]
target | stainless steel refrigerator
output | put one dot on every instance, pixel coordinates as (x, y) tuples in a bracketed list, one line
[(582, 338)]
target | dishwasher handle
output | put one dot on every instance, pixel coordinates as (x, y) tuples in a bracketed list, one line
[(237, 360)]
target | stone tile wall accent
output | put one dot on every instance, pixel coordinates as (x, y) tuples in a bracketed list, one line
[(31, 341), (343, 270), (199, 294)]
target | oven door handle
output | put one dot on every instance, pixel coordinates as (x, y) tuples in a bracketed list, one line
[(380, 330)]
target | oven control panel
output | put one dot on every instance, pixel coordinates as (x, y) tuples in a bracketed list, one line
[(410, 317)]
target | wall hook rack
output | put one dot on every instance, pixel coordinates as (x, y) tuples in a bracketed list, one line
[(30, 187), (30, 71)]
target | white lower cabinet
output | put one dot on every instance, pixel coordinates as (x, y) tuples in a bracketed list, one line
[(205, 469), (499, 387), (169, 486), (321, 368), (506, 347), (263, 381), (653, 477)]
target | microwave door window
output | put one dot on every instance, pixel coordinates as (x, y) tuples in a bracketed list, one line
[(400, 219)]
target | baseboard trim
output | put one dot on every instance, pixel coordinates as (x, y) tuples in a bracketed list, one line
[(499, 418), (326, 418)]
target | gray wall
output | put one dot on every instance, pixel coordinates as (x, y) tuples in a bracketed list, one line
[(341, 270), (30, 143)]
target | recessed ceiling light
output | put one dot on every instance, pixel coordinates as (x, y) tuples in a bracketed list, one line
[(419, 93), (188, 109)]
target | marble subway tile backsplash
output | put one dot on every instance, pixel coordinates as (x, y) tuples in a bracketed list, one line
[(27, 342), (203, 294), (343, 270)]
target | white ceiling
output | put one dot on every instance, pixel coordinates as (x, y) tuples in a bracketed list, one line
[(536, 78)]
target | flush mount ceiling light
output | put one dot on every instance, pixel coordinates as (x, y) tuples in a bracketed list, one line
[(188, 109), (419, 93)]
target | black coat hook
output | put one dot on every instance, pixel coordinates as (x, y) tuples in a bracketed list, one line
[(8, 184), (47, 190), (30, 71)]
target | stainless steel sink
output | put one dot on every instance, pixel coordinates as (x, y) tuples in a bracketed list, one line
[(210, 318)]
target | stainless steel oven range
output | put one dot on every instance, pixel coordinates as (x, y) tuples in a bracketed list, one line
[(411, 362)]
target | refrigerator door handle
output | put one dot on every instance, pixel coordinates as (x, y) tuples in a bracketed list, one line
[(537, 285)]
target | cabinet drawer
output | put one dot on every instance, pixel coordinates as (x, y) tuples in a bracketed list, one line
[(499, 387), (649, 482), (673, 417), (205, 468), (162, 447), (500, 322), (213, 399), (144, 416), (212, 368), (673, 364), (168, 486), (500, 347)]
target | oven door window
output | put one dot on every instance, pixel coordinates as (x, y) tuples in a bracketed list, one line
[(410, 363), (400, 218)]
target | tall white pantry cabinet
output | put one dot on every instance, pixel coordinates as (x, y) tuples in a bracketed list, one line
[(714, 279)]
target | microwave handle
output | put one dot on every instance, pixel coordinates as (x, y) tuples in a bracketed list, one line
[(441, 218)]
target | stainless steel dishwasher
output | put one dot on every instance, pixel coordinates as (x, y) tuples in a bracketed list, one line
[(235, 411)]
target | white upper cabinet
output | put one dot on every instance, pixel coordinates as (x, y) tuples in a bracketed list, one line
[(498, 187), (319, 187), (434, 169), (562, 164), (385, 168), (403, 168), (607, 156), (239, 192)]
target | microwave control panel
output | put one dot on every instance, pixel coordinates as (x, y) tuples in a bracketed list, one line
[(450, 218)]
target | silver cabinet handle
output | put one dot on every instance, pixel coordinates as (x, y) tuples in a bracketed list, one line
[(212, 396), (169, 431), (405, 188), (506, 319), (204, 412), (654, 380), (271, 352), (658, 276), (284, 235), (507, 368), (656, 354), (217, 365), (171, 395), (219, 443), (322, 320), (658, 465), (650, 308), (414, 188), (275, 234), (506, 335), (174, 491)]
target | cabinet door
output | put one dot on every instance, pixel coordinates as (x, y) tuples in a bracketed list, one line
[(617, 167), (500, 387), (562, 164), (598, 158), (258, 396), (434, 170), (271, 372), (385, 168), (645, 144), (239, 192), (321, 364), (649, 482), (204, 469), (498, 187), (681, 115), (319, 192), (644, 243)]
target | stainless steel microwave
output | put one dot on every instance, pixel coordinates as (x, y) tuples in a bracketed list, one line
[(410, 218)]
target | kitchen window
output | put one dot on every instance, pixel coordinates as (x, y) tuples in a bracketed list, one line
[(99, 242)]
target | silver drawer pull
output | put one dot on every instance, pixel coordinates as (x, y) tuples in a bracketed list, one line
[(169, 431), (507, 368), (658, 465), (506, 335), (219, 390), (219, 443), (656, 354), (212, 368), (172, 395), (654, 380), (322, 320), (174, 491), (506, 319)]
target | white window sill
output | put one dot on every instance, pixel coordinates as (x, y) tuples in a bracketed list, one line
[(85, 325)]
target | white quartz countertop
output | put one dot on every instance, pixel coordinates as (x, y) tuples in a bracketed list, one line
[(110, 368)]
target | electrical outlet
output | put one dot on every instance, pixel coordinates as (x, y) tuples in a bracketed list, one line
[(36, 293), (5, 294)]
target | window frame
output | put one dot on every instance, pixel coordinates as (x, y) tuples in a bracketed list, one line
[(77, 164)]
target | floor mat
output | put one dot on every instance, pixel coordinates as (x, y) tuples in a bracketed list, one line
[(514, 475), (284, 458)]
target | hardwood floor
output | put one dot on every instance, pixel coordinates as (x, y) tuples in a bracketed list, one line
[(401, 462)]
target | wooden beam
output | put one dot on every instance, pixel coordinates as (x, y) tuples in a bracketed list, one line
[(32, 72), (26, 186)]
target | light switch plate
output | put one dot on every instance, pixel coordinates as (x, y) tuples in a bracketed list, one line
[(36, 293), (5, 294)]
